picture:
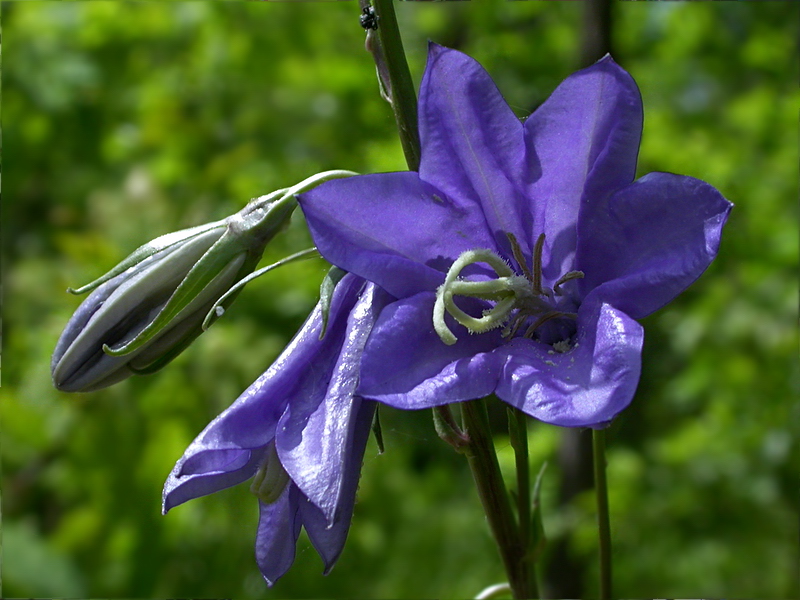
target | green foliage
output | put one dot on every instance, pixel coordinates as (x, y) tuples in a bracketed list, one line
[(123, 121)]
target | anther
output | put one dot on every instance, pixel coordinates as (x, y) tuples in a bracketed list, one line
[(547, 317), (565, 278), (537, 265), (518, 256)]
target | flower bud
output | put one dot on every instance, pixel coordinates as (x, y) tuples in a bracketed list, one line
[(149, 308)]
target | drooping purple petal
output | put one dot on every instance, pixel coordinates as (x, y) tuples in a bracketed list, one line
[(328, 538), (251, 420), (472, 145), (584, 387), (211, 472), (228, 450), (585, 137), (650, 240), (403, 253), (315, 433), (278, 529), (406, 365)]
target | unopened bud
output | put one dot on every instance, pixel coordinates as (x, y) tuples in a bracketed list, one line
[(149, 308)]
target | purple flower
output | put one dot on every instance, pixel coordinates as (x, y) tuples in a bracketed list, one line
[(300, 431), (532, 236)]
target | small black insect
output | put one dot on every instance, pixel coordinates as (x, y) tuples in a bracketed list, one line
[(369, 20)]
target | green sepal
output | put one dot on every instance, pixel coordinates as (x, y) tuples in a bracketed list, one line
[(175, 348), (220, 306), (166, 358), (246, 236), (212, 265), (326, 289), (149, 249), (377, 431), (448, 430)]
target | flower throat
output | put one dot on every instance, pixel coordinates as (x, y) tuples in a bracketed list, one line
[(519, 299)]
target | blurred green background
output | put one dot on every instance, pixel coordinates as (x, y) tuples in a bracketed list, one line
[(123, 121)]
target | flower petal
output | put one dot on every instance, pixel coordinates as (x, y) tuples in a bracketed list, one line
[(585, 140), (315, 433), (584, 387), (221, 455), (406, 365), (77, 323), (650, 240), (251, 420), (210, 472), (392, 229), (473, 147), (328, 538), (278, 529)]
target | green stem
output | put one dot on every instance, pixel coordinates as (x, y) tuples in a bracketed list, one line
[(603, 523), (404, 99), (519, 441), (518, 428), (485, 469)]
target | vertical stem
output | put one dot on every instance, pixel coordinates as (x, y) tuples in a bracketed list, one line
[(492, 491), (518, 428), (519, 441), (1, 524), (404, 99), (603, 523), (596, 38)]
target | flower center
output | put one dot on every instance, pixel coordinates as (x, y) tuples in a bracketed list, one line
[(519, 300)]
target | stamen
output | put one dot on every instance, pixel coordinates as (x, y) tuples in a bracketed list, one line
[(517, 252), (547, 317), (537, 265), (511, 330), (565, 278)]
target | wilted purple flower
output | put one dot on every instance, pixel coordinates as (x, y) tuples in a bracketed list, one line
[(299, 431), (541, 230)]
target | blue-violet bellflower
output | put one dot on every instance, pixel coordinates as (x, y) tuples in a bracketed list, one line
[(522, 252)]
